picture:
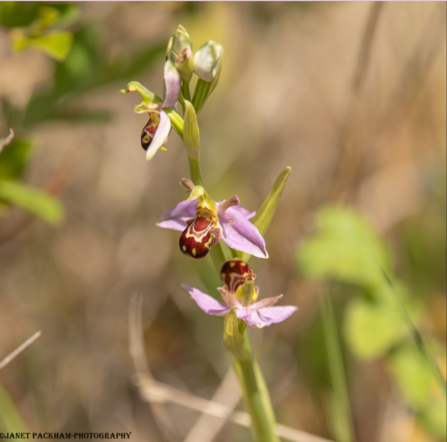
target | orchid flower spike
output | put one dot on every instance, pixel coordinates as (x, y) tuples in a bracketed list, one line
[(156, 131), (239, 291), (204, 222)]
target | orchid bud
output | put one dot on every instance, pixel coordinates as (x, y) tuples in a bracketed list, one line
[(207, 60), (181, 40), (182, 46)]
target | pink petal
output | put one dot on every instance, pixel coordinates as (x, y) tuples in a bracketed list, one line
[(208, 304), (240, 209), (265, 303), (266, 316), (172, 82), (245, 212), (241, 234), (161, 135), (176, 217)]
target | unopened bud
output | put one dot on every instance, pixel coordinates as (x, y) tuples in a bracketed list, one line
[(207, 60), (181, 40), (182, 46)]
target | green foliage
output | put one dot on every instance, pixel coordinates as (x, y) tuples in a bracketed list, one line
[(21, 14), (33, 200), (38, 29), (56, 44), (344, 248), (18, 14), (373, 326), (80, 67), (415, 381), (412, 375), (434, 417), (10, 419), (13, 159)]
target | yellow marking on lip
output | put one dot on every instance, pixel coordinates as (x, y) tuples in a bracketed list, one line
[(194, 252), (232, 264), (184, 248)]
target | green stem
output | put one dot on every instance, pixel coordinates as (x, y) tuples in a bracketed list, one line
[(185, 90), (218, 256), (254, 390), (196, 173), (255, 395)]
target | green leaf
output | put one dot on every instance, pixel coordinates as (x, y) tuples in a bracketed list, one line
[(265, 214), (35, 201), (13, 159), (372, 327), (434, 417), (56, 44), (345, 248), (413, 375), (16, 14), (21, 14), (10, 419)]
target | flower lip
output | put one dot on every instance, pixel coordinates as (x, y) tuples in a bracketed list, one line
[(201, 233), (234, 273)]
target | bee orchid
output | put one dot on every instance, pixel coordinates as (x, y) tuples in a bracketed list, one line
[(204, 222), (239, 291)]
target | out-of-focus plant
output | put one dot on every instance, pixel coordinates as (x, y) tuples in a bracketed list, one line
[(345, 251), (61, 32), (204, 222), (35, 26), (80, 67)]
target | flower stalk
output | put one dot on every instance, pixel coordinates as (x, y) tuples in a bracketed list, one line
[(255, 396), (254, 390), (205, 223)]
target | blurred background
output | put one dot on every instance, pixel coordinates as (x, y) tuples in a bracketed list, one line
[(351, 96)]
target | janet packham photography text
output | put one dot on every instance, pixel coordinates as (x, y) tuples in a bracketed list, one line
[(81, 435)]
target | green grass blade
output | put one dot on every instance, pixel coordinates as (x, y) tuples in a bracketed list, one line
[(339, 408)]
